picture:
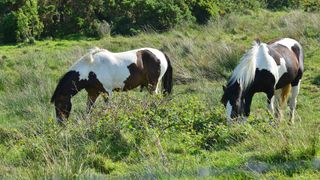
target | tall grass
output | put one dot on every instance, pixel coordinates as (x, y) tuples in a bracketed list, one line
[(148, 136)]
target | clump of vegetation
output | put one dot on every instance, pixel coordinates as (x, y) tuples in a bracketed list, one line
[(24, 21)]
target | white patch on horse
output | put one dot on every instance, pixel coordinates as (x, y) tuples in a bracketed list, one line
[(271, 105), (288, 42), (293, 100), (265, 61), (282, 68)]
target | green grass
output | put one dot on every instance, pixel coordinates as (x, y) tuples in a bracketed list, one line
[(138, 135)]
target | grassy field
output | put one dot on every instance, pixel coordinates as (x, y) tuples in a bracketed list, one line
[(147, 136)]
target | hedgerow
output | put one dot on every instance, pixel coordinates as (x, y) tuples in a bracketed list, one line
[(32, 19)]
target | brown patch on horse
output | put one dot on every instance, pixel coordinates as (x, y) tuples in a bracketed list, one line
[(276, 56), (94, 88), (292, 64), (151, 68), (145, 71)]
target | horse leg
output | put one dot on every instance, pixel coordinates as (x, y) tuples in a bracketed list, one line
[(157, 88), (248, 101), (293, 101), (276, 100), (270, 100), (141, 87), (92, 97), (152, 87), (105, 97)]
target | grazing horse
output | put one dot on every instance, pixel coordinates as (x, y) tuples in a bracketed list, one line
[(101, 71), (273, 67)]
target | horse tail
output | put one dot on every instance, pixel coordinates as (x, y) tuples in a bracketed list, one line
[(285, 92), (167, 78), (298, 51)]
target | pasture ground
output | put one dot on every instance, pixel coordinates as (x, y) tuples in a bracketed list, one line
[(146, 136)]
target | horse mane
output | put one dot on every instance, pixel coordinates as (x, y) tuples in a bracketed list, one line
[(245, 71), (89, 56)]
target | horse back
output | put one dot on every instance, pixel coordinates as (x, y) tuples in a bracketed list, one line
[(289, 52)]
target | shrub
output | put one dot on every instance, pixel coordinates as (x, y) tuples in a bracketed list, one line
[(228, 6), (276, 4), (101, 29), (130, 17), (311, 5), (8, 26), (203, 10), (22, 24)]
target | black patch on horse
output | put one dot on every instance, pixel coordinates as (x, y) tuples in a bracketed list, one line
[(68, 86), (64, 86)]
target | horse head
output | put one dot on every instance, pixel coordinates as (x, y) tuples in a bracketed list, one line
[(233, 101), (67, 87), (63, 107)]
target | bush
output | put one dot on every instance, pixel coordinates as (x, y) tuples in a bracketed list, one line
[(22, 24), (311, 5), (8, 26), (276, 4), (130, 17), (203, 10), (101, 29), (30, 19), (228, 6)]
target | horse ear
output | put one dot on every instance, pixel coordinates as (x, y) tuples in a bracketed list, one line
[(224, 87), (258, 41)]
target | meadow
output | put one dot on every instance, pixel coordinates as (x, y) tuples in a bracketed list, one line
[(143, 136)]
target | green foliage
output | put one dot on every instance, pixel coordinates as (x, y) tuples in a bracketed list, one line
[(8, 25), (311, 5), (130, 17), (281, 4), (70, 17), (203, 10), (23, 24), (228, 6), (28, 20)]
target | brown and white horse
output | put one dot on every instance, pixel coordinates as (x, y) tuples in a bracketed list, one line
[(101, 71), (277, 65)]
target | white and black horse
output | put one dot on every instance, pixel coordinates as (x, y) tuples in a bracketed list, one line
[(101, 71), (274, 68)]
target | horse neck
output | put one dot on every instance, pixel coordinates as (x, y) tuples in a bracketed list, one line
[(68, 86), (244, 73), (234, 88)]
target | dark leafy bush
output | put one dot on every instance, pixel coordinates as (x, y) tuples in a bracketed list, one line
[(228, 6), (21, 24), (130, 17), (203, 10), (70, 17), (311, 5), (27, 20), (8, 26)]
